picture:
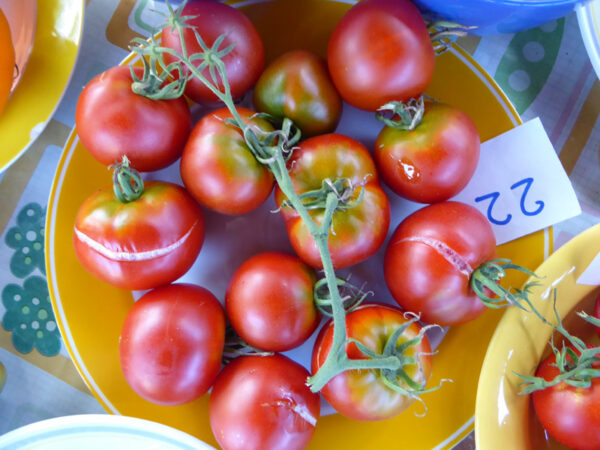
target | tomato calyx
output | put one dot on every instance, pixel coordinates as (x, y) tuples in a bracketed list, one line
[(486, 278), (128, 185), (351, 296), (153, 83), (405, 116), (342, 189), (577, 363), (235, 347)]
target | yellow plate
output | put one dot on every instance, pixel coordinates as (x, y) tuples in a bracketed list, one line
[(52, 59), (504, 419), (90, 314)]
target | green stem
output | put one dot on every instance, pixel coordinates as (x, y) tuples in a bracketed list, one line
[(128, 185)]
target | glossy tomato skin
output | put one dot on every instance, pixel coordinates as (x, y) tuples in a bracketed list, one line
[(142, 244), (219, 169), (270, 301), (243, 64), (113, 121), (263, 403), (359, 231), (361, 395), (430, 257), (571, 415), (433, 162), (172, 342), (380, 51), (7, 61), (297, 85)]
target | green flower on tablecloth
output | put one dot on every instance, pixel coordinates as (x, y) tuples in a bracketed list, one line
[(27, 238), (30, 318)]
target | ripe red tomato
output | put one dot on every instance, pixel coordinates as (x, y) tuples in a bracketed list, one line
[(172, 342), (263, 403), (297, 85), (433, 162), (361, 394), (380, 51), (571, 415), (243, 65), (358, 231), (219, 169), (270, 301), (142, 244), (430, 258), (113, 121)]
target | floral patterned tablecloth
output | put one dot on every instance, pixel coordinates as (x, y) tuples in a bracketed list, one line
[(545, 72)]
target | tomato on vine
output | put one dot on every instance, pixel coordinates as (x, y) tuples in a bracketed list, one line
[(380, 51), (369, 394), (212, 20), (360, 221), (113, 121), (171, 343), (137, 236), (218, 168)]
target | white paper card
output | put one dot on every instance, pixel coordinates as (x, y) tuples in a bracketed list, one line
[(520, 184), (591, 275)]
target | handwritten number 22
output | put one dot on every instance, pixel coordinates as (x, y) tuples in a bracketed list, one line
[(494, 196)]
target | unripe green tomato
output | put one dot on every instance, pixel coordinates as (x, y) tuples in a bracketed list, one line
[(297, 85)]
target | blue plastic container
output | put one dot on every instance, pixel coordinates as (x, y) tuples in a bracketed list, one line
[(499, 16)]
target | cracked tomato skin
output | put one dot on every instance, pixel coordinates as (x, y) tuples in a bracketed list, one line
[(297, 85), (219, 170), (263, 403), (172, 342), (359, 231), (433, 162), (113, 121), (430, 257), (571, 415), (270, 301), (362, 395), (243, 65), (142, 244), (380, 51)]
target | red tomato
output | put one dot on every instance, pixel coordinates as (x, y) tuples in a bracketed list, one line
[(361, 394), (113, 121), (270, 301), (142, 244), (571, 415), (297, 85), (430, 258), (263, 403), (243, 65), (172, 342), (359, 231), (219, 169), (433, 162), (380, 51)]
